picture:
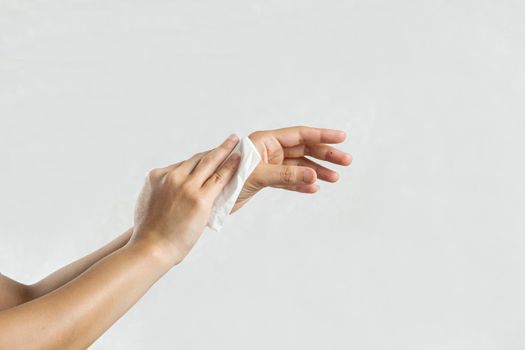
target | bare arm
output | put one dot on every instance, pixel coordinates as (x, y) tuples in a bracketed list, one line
[(13, 293), (81, 301), (171, 213), (283, 152), (69, 272), (76, 314)]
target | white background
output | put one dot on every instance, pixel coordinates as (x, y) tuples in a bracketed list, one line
[(420, 245)]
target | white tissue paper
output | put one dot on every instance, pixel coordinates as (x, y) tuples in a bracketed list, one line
[(224, 203)]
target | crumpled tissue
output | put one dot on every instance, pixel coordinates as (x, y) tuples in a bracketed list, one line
[(224, 203)]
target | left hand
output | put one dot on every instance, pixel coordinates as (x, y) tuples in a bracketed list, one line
[(283, 162)]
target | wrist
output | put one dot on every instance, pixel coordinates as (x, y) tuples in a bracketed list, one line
[(155, 248)]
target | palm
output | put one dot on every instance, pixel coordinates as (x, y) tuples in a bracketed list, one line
[(283, 160)]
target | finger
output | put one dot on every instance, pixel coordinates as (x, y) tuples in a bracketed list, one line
[(321, 151), (323, 173), (159, 172), (297, 135), (222, 176), (283, 175), (189, 164), (209, 163), (312, 188), (170, 167)]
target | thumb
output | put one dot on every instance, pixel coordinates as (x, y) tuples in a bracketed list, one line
[(283, 175)]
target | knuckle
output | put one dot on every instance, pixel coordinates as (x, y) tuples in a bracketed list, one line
[(287, 175), (207, 159), (192, 194), (173, 178), (196, 200), (154, 174), (217, 177), (218, 156)]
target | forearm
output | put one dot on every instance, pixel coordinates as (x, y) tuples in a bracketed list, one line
[(69, 272), (76, 314)]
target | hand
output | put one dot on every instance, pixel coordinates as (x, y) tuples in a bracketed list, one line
[(283, 162), (175, 203)]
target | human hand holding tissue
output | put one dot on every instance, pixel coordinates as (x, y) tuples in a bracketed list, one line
[(179, 200), (175, 202), (174, 206)]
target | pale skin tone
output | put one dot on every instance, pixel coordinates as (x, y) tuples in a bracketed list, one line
[(75, 305)]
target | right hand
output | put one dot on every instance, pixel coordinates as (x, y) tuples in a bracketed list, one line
[(175, 203)]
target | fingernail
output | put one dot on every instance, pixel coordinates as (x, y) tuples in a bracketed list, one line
[(233, 138), (308, 176)]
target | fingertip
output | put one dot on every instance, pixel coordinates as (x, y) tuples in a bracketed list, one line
[(233, 137), (308, 189), (231, 140), (337, 136), (347, 159)]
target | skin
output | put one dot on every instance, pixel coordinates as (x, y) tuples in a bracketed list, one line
[(75, 305)]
